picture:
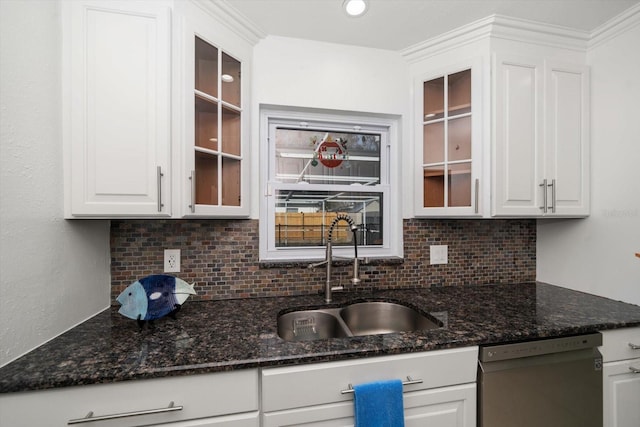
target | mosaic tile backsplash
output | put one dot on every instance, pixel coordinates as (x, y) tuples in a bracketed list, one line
[(221, 256)]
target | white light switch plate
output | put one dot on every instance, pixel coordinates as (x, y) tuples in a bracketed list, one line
[(438, 254)]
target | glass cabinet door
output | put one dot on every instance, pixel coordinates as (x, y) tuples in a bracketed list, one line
[(447, 150), (216, 179)]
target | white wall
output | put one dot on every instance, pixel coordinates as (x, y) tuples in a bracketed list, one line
[(596, 254), (311, 74), (53, 273)]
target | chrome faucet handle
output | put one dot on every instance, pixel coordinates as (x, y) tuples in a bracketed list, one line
[(317, 264)]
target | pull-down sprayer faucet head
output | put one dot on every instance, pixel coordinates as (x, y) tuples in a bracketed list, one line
[(355, 280)]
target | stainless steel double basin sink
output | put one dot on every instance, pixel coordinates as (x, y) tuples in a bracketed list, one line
[(355, 319)]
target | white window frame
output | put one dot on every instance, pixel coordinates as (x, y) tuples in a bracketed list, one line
[(389, 187)]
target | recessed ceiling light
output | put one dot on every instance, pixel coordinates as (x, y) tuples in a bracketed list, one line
[(355, 7), (226, 78)]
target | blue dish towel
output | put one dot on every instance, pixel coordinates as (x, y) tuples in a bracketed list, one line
[(379, 404)]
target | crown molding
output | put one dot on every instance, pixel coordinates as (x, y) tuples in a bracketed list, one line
[(619, 24), (502, 27), (527, 31), (232, 19), (468, 33)]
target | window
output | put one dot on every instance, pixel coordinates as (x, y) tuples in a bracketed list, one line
[(322, 165)]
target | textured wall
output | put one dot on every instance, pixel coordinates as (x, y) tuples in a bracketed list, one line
[(221, 256), (53, 273), (596, 254)]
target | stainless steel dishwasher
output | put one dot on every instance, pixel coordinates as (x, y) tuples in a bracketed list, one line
[(552, 383)]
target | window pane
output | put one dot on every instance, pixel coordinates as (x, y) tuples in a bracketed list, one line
[(460, 184), (433, 195), (230, 80), (433, 106), (433, 143), (206, 126), (460, 93), (206, 68), (230, 131), (303, 218), (321, 157), (459, 139)]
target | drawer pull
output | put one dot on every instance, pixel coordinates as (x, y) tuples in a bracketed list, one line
[(634, 346), (91, 418), (634, 369), (409, 381)]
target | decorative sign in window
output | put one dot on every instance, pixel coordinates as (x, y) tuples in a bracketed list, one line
[(321, 157)]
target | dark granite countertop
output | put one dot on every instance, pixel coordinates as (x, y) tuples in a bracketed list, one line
[(236, 334)]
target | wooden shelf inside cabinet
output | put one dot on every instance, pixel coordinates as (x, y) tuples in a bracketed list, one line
[(453, 111), (439, 173)]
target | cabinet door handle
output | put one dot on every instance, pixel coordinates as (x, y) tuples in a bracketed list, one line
[(634, 370), (634, 346), (192, 206), (544, 206), (159, 177), (553, 195), (477, 193), (409, 381), (90, 418)]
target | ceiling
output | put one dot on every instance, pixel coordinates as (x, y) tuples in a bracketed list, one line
[(398, 24)]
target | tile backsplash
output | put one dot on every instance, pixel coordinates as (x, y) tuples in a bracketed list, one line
[(221, 256)]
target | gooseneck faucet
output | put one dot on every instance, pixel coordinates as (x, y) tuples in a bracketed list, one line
[(329, 256)]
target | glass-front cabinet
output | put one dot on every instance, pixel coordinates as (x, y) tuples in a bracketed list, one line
[(216, 133), (448, 143), (217, 128)]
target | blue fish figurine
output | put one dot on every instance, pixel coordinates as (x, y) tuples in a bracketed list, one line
[(153, 297)]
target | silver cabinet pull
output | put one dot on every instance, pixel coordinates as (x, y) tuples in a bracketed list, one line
[(192, 206), (634, 346), (553, 195), (634, 369), (544, 206), (409, 381), (90, 418), (477, 193), (159, 177)]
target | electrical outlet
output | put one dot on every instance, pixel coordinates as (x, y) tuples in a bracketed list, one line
[(438, 254), (172, 260)]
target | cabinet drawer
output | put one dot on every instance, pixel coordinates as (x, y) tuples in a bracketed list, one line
[(617, 344), (200, 396), (315, 384), (448, 406)]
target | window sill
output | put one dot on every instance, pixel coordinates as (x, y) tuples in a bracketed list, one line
[(338, 262)]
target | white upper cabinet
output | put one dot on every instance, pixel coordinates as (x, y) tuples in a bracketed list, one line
[(155, 96), (567, 138), (449, 144), (117, 108), (524, 151), (541, 140), (213, 85)]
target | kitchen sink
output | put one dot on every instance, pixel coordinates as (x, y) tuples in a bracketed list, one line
[(371, 318), (308, 325), (355, 319)]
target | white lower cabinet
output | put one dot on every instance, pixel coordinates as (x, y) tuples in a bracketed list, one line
[(621, 377), (311, 395), (228, 398)]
